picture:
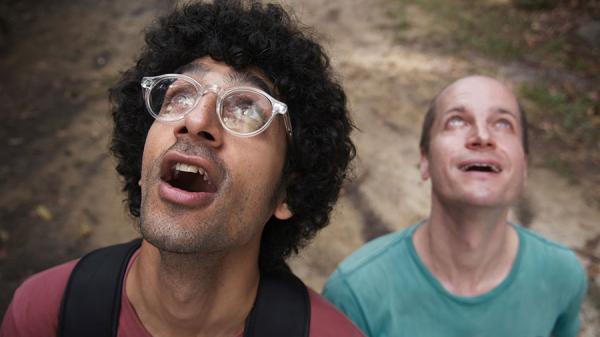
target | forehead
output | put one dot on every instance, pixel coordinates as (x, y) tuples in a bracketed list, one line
[(214, 72), (478, 95)]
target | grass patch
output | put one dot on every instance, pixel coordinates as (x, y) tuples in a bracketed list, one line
[(568, 119), (560, 166), (564, 130), (458, 25), (493, 28)]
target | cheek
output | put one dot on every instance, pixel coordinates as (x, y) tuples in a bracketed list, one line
[(257, 166), (152, 146), (443, 150), (262, 165), (514, 148)]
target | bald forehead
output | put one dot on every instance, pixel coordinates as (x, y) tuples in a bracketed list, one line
[(477, 91), (469, 94)]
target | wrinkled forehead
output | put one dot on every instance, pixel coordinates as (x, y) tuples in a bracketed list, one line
[(209, 70), (477, 93)]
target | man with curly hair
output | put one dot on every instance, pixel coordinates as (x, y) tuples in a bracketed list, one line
[(232, 138), (465, 271)]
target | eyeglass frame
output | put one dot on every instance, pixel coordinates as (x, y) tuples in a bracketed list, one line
[(277, 107)]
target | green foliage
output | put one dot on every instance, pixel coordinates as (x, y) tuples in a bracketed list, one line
[(559, 116), (497, 30), (559, 166)]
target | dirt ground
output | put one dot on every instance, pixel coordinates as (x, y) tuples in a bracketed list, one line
[(59, 194)]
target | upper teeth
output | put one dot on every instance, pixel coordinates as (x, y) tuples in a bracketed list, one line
[(491, 166), (191, 168)]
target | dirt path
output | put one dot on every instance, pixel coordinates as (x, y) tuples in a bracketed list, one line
[(60, 196)]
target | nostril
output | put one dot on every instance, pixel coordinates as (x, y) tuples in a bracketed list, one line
[(206, 135), (183, 130)]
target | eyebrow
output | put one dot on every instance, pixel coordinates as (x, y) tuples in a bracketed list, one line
[(458, 108), (245, 77), (505, 111), (237, 77), (463, 109)]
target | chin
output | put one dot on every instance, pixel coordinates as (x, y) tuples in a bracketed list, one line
[(484, 199)]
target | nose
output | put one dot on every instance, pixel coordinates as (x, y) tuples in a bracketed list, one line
[(480, 138), (202, 122)]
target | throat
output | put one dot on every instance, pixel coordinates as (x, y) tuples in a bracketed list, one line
[(465, 268), (176, 295), (199, 314)]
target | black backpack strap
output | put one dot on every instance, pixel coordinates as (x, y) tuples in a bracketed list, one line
[(92, 299), (282, 308)]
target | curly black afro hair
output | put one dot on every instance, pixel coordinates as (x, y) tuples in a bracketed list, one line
[(246, 34)]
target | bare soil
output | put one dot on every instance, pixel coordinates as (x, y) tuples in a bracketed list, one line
[(60, 195)]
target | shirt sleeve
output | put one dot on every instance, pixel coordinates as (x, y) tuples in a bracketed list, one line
[(327, 321), (568, 323), (339, 293), (24, 319), (33, 311)]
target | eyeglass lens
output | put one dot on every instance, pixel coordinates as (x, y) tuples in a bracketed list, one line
[(241, 111)]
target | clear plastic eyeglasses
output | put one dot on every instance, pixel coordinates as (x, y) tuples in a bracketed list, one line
[(243, 111)]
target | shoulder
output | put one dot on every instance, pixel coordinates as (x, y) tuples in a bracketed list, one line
[(360, 281), (369, 265), (35, 305), (553, 257), (552, 261), (380, 250), (328, 321)]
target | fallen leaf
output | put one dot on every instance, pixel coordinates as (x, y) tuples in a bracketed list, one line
[(4, 235), (44, 213), (85, 229)]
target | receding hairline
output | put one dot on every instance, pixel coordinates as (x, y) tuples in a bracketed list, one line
[(488, 79)]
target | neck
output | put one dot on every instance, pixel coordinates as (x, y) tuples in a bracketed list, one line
[(470, 250), (193, 295)]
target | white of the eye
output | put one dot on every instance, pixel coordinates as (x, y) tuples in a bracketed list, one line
[(503, 124), (455, 122), (184, 100)]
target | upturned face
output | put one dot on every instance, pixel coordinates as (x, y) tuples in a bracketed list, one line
[(476, 154), (203, 188)]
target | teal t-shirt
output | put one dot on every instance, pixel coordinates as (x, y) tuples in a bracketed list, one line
[(385, 288)]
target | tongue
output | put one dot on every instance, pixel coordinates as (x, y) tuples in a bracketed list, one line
[(191, 182)]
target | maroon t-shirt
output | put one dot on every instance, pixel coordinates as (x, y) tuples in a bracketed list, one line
[(34, 310)]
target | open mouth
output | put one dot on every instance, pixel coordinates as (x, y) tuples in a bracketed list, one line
[(189, 178), (481, 167)]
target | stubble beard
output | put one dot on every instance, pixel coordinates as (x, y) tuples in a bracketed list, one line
[(182, 234), (174, 229), (169, 236)]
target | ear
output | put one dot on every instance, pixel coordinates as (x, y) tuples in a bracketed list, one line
[(282, 211), (424, 166)]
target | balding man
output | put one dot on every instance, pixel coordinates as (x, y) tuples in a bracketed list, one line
[(465, 271)]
